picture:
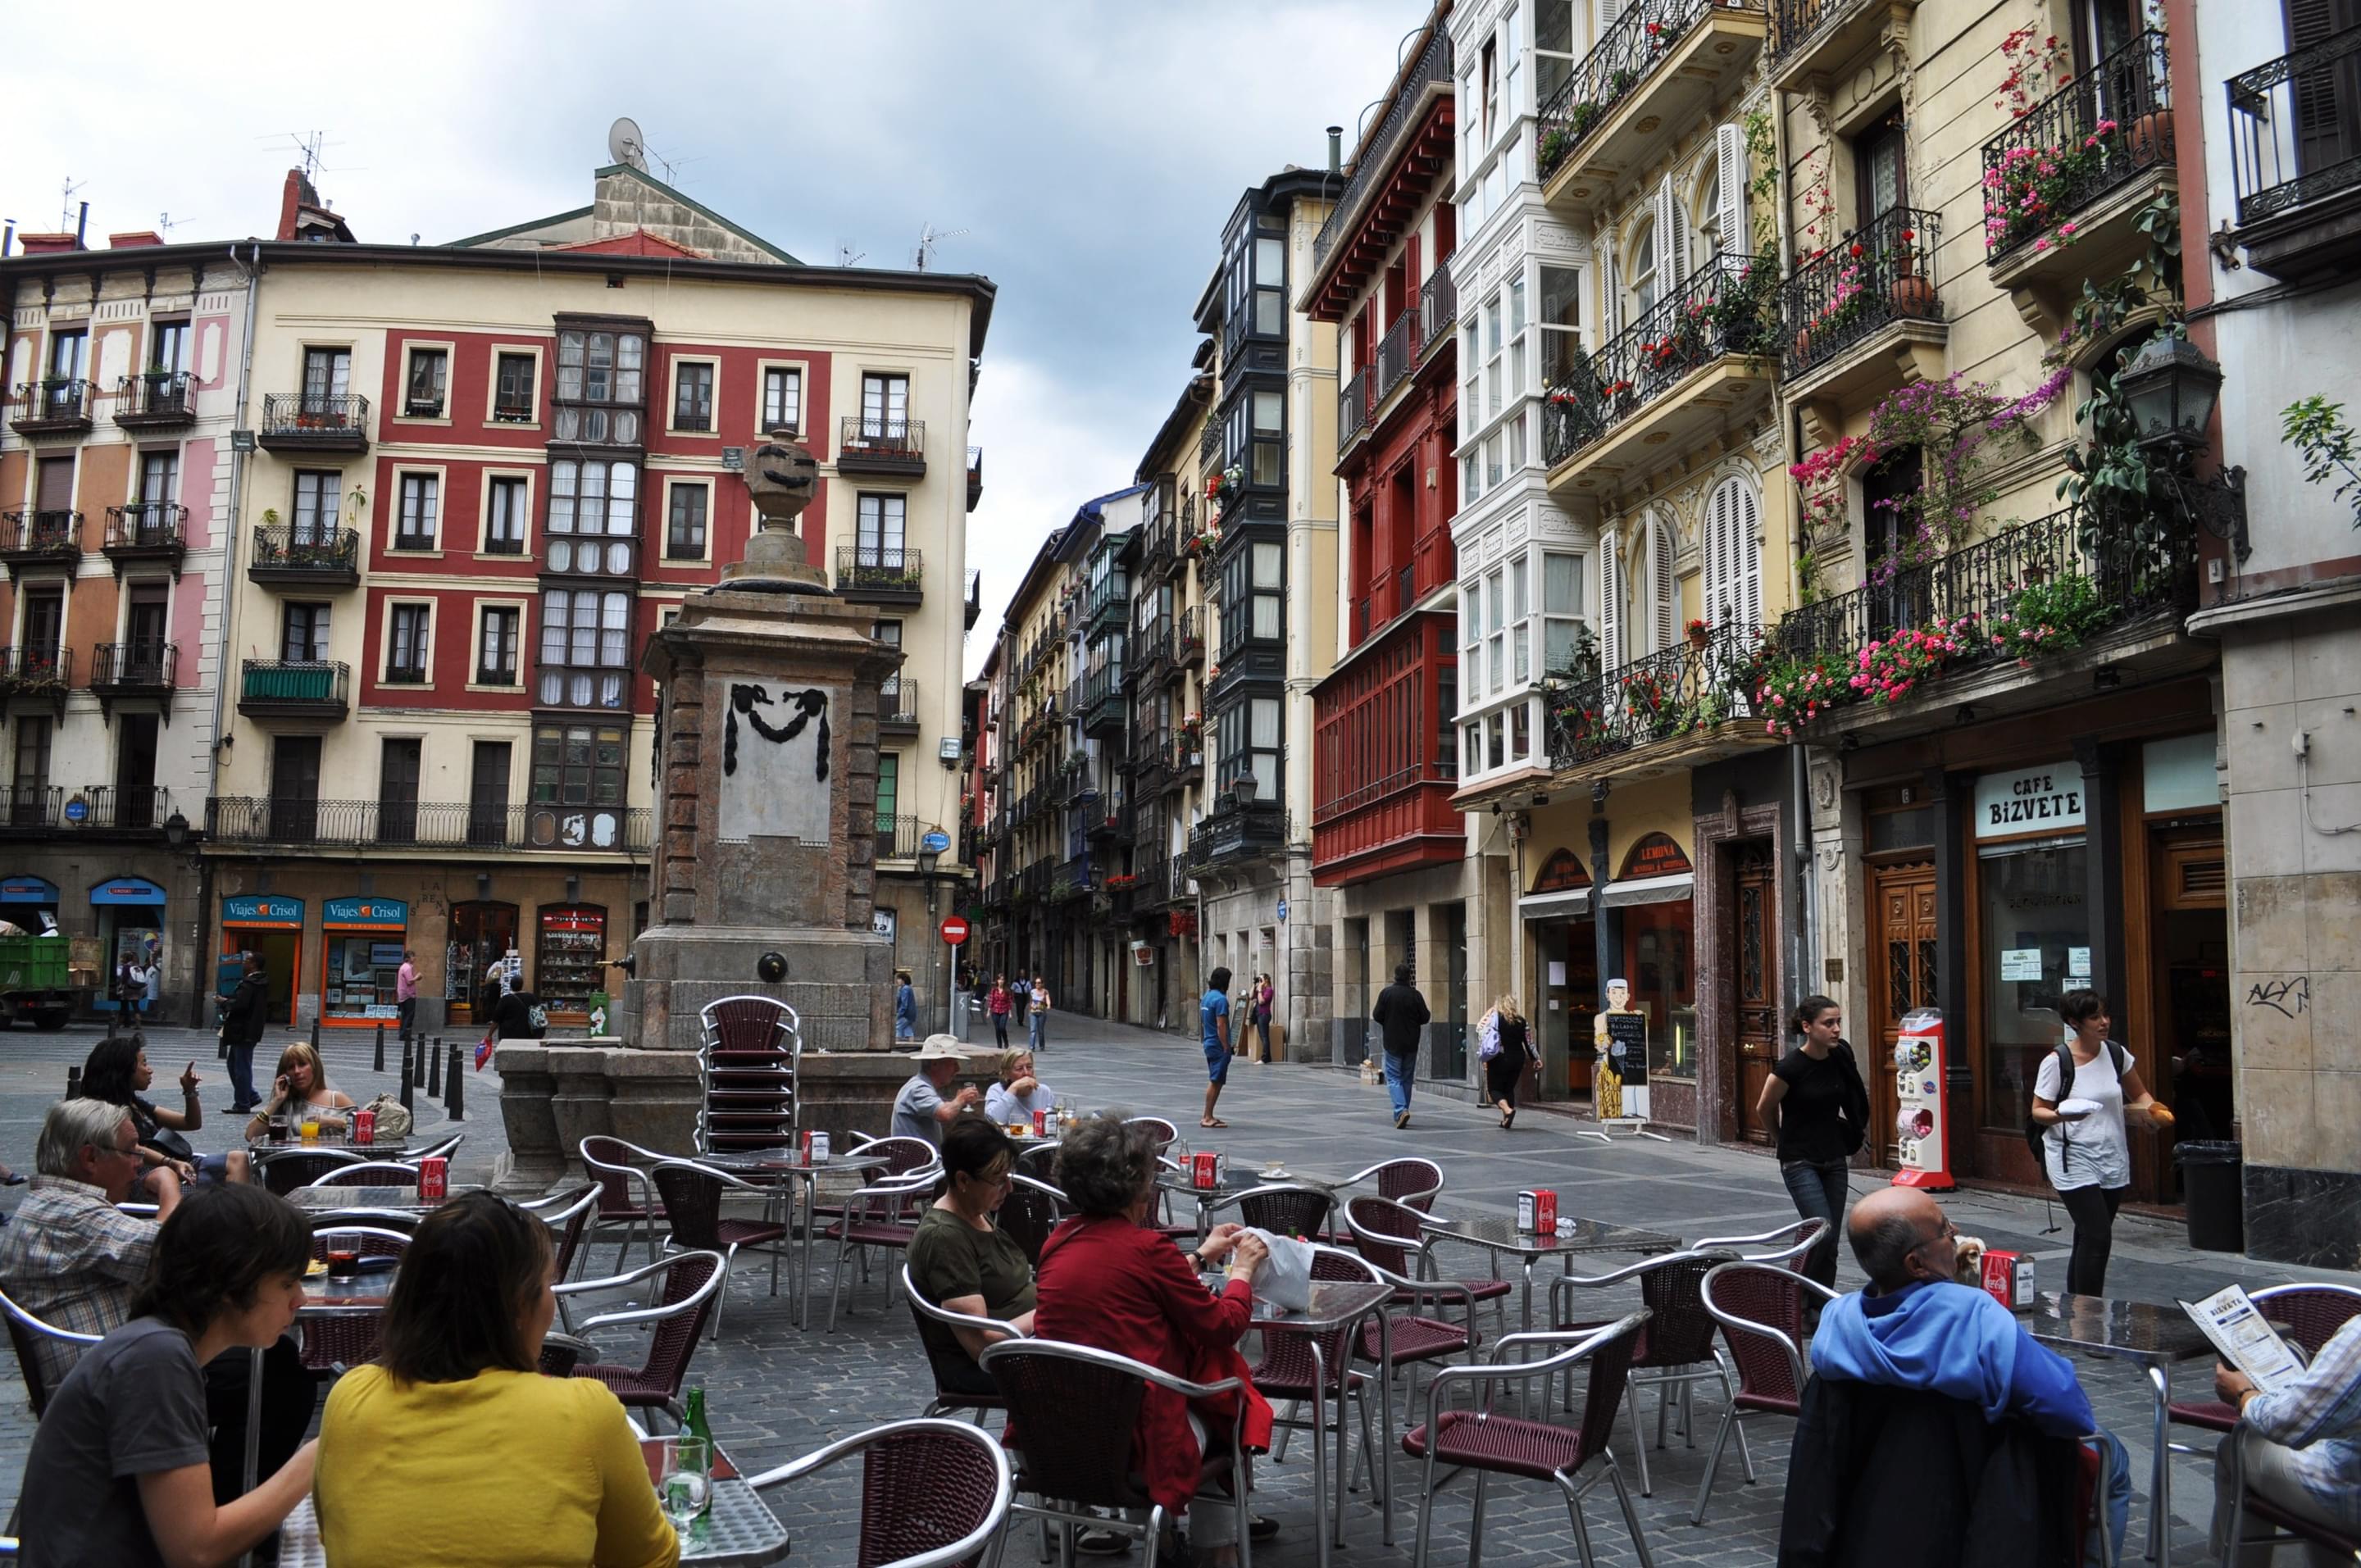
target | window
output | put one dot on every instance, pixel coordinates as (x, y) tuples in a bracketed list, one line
[(1471, 403), (45, 620), (1881, 170), (1561, 323), (422, 396), (1249, 747), (327, 382), (496, 647), (684, 522), (398, 768), (514, 400), (881, 522), (147, 613), (304, 633), (30, 807), (1554, 53), (585, 648), (405, 656), (783, 399), (1489, 70), (1520, 634), (1611, 601), (692, 395), (889, 804), (884, 407), (168, 347), (1495, 625), (1253, 589), (318, 499), (1492, 356), (295, 787), (1270, 578), (1733, 559), (504, 515), (576, 765), (1664, 590), (69, 355), (1561, 609), (600, 385), (487, 793), (421, 495), (1643, 269), (593, 517)]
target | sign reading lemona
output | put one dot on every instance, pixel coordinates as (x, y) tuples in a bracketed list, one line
[(2030, 800)]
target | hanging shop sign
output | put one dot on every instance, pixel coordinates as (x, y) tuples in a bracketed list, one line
[(1655, 854), (1564, 871), (2029, 800)]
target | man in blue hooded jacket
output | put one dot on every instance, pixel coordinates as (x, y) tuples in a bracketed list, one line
[(1916, 1327)]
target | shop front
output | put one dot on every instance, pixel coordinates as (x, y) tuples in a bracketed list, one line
[(270, 924), (569, 960), (361, 942), (29, 902), (1650, 913), (129, 913), (482, 934), (1555, 909)]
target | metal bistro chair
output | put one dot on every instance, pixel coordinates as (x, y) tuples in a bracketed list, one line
[(1412, 1338), (692, 1198), (2283, 1529), (567, 1215), (1787, 1247), (1072, 1409), (933, 1493), (1038, 1161), (285, 1170), (1298, 1366), (1029, 1212), (752, 1060), (1281, 1208), (434, 1151), (1387, 1233), (874, 1215), (1163, 1133), (921, 1311), (1410, 1179), (627, 1200), (1487, 1443), (1761, 1308), (2312, 1314), (27, 1333), (676, 1320), (1675, 1350), (334, 1345), (370, 1173)]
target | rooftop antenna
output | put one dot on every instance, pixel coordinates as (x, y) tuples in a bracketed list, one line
[(930, 236), (846, 255), (166, 223), (626, 145), (66, 188)]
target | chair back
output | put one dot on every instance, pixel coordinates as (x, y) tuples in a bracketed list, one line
[(1386, 1232), (283, 1170), (933, 1493), (435, 1151), (1029, 1212), (1162, 1133), (1760, 1307), (612, 1164), (1287, 1362), (1410, 1179), (1611, 1368), (2312, 1313), (371, 1173), (692, 1276), (1285, 1210), (1680, 1332), (569, 1219), (1073, 1409), (357, 1230), (904, 1155), (692, 1203), (1038, 1161), (751, 1023), (1789, 1244), (27, 1333)]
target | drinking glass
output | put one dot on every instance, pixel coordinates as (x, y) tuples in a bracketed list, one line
[(686, 1487), (310, 1129)]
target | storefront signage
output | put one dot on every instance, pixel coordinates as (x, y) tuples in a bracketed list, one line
[(390, 913), (2078, 966), (1565, 873), (28, 890), (1656, 855), (2031, 800), (262, 909), (127, 890), (2020, 963), (578, 919)]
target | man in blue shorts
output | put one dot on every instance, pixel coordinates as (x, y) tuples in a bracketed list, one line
[(1214, 1015)]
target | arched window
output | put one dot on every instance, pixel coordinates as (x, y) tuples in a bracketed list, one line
[(1663, 589), (1643, 269), (1733, 555)]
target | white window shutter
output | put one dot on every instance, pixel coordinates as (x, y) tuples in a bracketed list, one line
[(1717, 555), (1664, 593), (1610, 603), (1607, 11), (1729, 189), (1746, 518), (1671, 239)]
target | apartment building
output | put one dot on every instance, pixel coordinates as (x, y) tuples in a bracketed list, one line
[(1386, 837), (485, 473), (117, 487), (1269, 505)]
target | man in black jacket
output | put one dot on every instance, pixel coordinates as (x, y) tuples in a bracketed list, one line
[(242, 1025), (1400, 1016)]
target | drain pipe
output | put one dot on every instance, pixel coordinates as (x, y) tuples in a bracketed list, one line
[(1807, 926)]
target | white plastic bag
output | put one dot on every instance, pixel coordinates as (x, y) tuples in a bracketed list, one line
[(1284, 1278), (1488, 1035)]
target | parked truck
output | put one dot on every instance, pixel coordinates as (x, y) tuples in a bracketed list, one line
[(38, 983)]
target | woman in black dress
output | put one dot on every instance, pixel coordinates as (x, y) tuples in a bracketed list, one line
[(1505, 1070), (1817, 1100)]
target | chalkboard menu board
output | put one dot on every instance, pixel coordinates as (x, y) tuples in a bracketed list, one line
[(1627, 1047)]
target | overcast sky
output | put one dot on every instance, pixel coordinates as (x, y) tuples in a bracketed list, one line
[(1091, 152)]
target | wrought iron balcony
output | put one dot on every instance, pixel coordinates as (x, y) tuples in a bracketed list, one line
[(146, 530), (142, 809), (2295, 158), (31, 537), (43, 672), (1110, 818), (974, 596), (300, 555), (1405, 347), (1691, 688), (1100, 706), (1629, 63), (1728, 308), (156, 399), (1188, 636), (294, 689), (897, 838), (28, 807), (54, 405), (880, 574), (1816, 36), (314, 421), (1868, 281), (399, 824), (1239, 834), (134, 669), (897, 705), (2076, 147), (974, 476), (1375, 161), (865, 445)]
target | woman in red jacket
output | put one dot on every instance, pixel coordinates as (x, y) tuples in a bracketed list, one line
[(1108, 1281)]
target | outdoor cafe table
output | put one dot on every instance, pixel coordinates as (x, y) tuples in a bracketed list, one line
[(2152, 1338), (385, 1145), (780, 1166), (387, 1200), (1237, 1177), (1337, 1306), (323, 1297), (1498, 1233)]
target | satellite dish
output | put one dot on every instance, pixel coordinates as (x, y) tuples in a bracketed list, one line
[(624, 144)]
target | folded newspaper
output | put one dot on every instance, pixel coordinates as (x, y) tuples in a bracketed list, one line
[(2236, 1325)]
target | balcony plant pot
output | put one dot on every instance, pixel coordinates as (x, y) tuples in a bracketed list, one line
[(2151, 138), (1911, 295)]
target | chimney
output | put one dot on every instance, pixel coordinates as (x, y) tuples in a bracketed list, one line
[(293, 197), (46, 244), (138, 239), (1335, 149), (82, 226)]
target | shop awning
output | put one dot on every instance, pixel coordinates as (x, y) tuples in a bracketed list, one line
[(127, 890), (1563, 905), (28, 890), (1675, 889)]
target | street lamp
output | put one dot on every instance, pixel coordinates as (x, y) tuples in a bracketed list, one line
[(926, 857), (2170, 387), (176, 830)]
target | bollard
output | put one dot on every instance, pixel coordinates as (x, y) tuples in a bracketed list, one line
[(409, 1089), (434, 1070), (73, 1084), (316, 1036), (455, 1102), (376, 1063), (418, 1066)]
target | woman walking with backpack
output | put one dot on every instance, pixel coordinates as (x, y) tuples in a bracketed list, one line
[(2081, 1098), (1505, 1043), (1815, 1098)]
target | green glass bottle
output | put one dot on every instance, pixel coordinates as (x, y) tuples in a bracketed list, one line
[(693, 1424)]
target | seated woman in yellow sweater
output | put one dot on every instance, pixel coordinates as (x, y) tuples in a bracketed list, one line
[(453, 1448)]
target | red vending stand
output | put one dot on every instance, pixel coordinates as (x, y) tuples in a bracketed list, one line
[(1924, 1151)]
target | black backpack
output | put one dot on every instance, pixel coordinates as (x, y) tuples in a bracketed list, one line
[(2034, 1133)]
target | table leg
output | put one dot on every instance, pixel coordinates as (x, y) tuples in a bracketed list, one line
[(253, 1430), (1383, 1472), (804, 1286), (2159, 1486), (1318, 1457)]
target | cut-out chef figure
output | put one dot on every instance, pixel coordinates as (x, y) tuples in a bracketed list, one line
[(1608, 1100)]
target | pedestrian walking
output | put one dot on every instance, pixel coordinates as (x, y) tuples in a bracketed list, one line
[(1000, 1003), (2081, 1098), (241, 1031), (1401, 1018), (1214, 1024), (405, 991), (1037, 1015), (905, 1006), (1506, 1046), (1816, 1101)]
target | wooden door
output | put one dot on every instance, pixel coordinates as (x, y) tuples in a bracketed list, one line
[(1752, 988), (1902, 944)]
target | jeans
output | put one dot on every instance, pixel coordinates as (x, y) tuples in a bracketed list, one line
[(1000, 1029), (1400, 1072), (2118, 1466), (1819, 1192), (242, 1096), (2093, 1209), (1036, 1029)]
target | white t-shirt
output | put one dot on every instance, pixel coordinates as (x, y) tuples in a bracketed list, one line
[(2094, 1151), (1005, 1105)]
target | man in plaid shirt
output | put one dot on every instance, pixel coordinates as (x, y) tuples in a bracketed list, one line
[(68, 1256), (2303, 1449)]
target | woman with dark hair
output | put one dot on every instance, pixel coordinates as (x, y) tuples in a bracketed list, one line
[(119, 1473), (2080, 1095), (116, 1071), (453, 1448), (1109, 1280), (960, 1260), (1816, 1101)]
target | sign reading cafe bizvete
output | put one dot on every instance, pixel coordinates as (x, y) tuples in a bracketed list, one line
[(2029, 800)]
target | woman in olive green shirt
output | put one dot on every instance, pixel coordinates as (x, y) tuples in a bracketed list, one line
[(964, 1262)]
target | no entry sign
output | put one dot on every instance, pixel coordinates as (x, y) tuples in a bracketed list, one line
[(955, 930)]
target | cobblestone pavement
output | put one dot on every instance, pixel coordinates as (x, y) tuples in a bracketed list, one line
[(777, 1392)]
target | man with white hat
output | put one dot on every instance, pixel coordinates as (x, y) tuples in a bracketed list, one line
[(920, 1110)]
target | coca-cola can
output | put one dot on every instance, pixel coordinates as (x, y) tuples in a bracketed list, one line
[(364, 1126), (1204, 1172), (1040, 1123), (814, 1148), (434, 1179)]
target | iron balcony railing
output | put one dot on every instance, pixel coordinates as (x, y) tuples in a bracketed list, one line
[(1795, 23), (1640, 39), (1189, 634), (29, 805), (1869, 280), (2295, 128), (39, 669), (53, 400), (1377, 154), (1697, 683), (299, 684), (1238, 832), (1438, 304), (2083, 141), (116, 665), (897, 838), (32, 532), (136, 808), (399, 822), (2132, 567), (159, 395), (897, 703), (306, 547), (1727, 307), (864, 436), (314, 414), (1153, 638), (1355, 403), (1400, 352), (886, 568), (147, 526)]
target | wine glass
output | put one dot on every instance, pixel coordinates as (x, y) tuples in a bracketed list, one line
[(685, 1485)]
